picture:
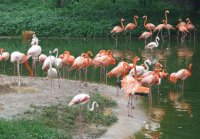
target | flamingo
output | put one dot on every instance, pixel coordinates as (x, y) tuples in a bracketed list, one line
[(4, 56), (89, 62), (80, 100), (190, 27), (141, 69), (182, 75), (42, 58), (20, 58), (131, 86), (152, 45), (132, 26), (35, 40), (145, 35), (67, 60), (182, 28), (34, 51), (117, 29), (159, 28), (120, 70), (148, 26), (167, 26), (47, 62), (152, 79), (52, 74)]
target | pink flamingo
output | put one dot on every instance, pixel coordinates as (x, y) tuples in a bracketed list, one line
[(132, 26), (148, 26), (4, 57), (131, 86), (159, 28), (167, 26), (20, 58), (145, 35), (182, 75), (181, 28), (117, 29), (80, 100), (42, 58), (120, 70), (190, 27)]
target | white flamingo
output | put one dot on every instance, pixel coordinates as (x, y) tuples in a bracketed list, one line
[(152, 45), (35, 40), (34, 52), (141, 69), (4, 56), (52, 74), (20, 58)]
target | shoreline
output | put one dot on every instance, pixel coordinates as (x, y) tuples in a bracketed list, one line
[(36, 91)]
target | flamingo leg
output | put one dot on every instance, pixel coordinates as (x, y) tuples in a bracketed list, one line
[(18, 72), (106, 74), (80, 122)]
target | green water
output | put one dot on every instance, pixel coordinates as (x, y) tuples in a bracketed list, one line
[(181, 115)]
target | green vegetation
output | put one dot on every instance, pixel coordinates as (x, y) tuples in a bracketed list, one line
[(86, 18), (59, 121)]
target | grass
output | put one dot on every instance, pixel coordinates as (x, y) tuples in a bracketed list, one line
[(60, 121)]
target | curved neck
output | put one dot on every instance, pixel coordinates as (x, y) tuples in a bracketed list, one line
[(135, 20), (50, 61), (145, 63), (156, 41), (190, 69), (57, 54), (134, 66), (122, 24), (145, 20), (93, 105), (166, 20)]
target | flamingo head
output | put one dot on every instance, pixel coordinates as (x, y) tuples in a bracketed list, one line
[(163, 21), (2, 50), (109, 52), (136, 17), (144, 16), (158, 65), (89, 53), (148, 61), (180, 19), (187, 19), (34, 35), (55, 50), (122, 19), (157, 38), (84, 55), (102, 51), (67, 52), (166, 11)]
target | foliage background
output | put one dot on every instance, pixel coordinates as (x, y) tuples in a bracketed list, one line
[(88, 18)]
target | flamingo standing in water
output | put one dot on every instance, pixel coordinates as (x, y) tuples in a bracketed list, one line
[(190, 27), (4, 57), (82, 99), (52, 74), (20, 58), (167, 26), (130, 85), (148, 26), (181, 28), (159, 28), (182, 75), (132, 26), (117, 29), (145, 35), (152, 45)]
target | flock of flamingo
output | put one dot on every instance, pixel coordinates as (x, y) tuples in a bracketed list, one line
[(135, 79), (182, 26)]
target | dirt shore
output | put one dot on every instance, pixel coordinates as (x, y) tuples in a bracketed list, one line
[(36, 91)]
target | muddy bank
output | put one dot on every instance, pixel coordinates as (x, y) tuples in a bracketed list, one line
[(36, 91)]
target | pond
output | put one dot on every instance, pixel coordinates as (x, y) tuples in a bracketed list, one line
[(173, 115)]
